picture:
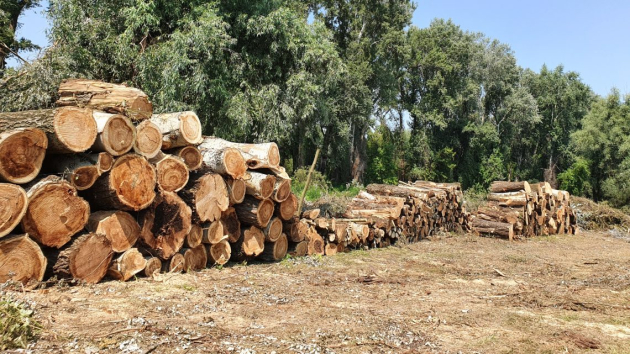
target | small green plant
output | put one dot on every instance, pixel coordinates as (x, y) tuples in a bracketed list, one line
[(286, 261), (17, 326), (219, 266)]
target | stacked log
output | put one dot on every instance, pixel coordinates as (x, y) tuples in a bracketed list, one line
[(525, 210)]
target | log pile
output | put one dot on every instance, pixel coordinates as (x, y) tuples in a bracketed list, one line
[(519, 209)]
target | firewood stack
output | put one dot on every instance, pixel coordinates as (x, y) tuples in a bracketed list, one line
[(518, 209), (384, 215), (102, 186)]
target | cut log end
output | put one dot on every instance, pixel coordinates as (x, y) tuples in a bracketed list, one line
[(131, 182), (210, 197), (234, 163), (190, 128), (152, 267), (195, 259), (253, 241), (287, 209), (84, 177), (105, 162), (22, 152), (219, 253), (237, 190), (13, 206), (86, 258), (282, 190), (75, 128), (275, 251), (260, 185), (213, 233), (148, 139), (22, 260), (120, 228), (273, 231), (118, 135), (191, 156), (172, 173), (175, 264), (127, 265), (231, 225), (194, 237)]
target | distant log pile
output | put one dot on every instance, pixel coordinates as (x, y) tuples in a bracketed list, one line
[(518, 209)]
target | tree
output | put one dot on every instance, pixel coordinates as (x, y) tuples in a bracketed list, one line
[(10, 11)]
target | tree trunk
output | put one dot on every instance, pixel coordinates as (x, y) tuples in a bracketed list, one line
[(195, 259), (257, 156), (207, 194), (178, 129), (191, 156), (116, 134), (219, 253), (106, 97), (165, 225), (22, 152), (516, 199), (502, 187), (127, 265), (21, 259), (398, 191), (260, 185), (171, 171), (255, 212), (224, 160), (194, 237), (273, 231), (86, 258), (148, 139), (120, 228), (286, 209), (129, 185), (493, 228), (250, 244), (55, 212), (275, 251), (281, 190), (213, 233), (153, 266), (68, 129), (236, 190), (13, 207), (231, 225), (175, 264)]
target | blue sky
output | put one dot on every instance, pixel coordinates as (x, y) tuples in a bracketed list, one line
[(590, 37)]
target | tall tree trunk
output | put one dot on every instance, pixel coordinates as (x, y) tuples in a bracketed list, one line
[(359, 160)]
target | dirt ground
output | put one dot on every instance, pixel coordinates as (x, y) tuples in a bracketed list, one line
[(455, 293)]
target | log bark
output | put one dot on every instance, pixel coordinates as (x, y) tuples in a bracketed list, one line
[(128, 264), (257, 156), (195, 259), (106, 97), (493, 228), (175, 264), (207, 195), (273, 231), (224, 160), (86, 258), (194, 237), (21, 259), (171, 171), (81, 170), (219, 253), (255, 212), (191, 156), (236, 190), (165, 225), (275, 251), (148, 139), (120, 228), (503, 186), (55, 212), (129, 185), (260, 185), (398, 191), (291, 230), (286, 209), (22, 152), (13, 207), (152, 267), (68, 129), (116, 134), (213, 233), (231, 225), (178, 129), (281, 190), (509, 199)]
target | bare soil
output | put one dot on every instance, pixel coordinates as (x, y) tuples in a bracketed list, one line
[(455, 293)]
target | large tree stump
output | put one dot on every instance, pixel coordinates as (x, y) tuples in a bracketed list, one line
[(223, 160), (287, 208), (231, 224), (260, 185), (165, 225), (255, 212), (172, 172), (129, 185), (21, 259), (249, 245), (236, 190), (195, 259), (207, 194), (106, 97), (120, 228), (148, 139), (13, 206), (68, 129), (81, 170), (275, 251), (22, 152), (86, 258), (127, 265), (219, 253), (191, 156), (116, 134), (55, 212), (178, 129), (257, 156)]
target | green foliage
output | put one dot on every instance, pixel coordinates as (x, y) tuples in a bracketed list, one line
[(576, 179), (381, 159), (319, 185), (17, 326)]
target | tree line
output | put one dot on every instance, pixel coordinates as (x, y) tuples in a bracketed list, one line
[(383, 99)]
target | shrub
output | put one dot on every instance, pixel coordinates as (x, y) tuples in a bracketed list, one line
[(17, 327)]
